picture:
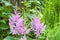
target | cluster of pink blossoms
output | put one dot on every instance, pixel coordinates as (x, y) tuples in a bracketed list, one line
[(37, 26), (17, 26)]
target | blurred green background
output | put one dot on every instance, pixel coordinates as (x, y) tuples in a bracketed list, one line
[(47, 10)]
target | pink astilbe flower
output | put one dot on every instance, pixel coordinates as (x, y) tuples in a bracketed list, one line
[(22, 30), (16, 24), (13, 23), (36, 25)]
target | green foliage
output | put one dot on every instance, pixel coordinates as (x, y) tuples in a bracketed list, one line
[(11, 38), (47, 10)]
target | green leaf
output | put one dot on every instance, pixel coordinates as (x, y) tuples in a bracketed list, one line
[(11, 38), (16, 38), (35, 1), (3, 26), (8, 38), (5, 13), (1, 8), (28, 38), (32, 10), (27, 4), (6, 3), (3, 21), (29, 16)]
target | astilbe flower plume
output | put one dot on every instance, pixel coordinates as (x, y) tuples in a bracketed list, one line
[(13, 22), (37, 26), (16, 24)]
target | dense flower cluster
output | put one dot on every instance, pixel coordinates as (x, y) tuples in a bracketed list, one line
[(15, 22), (17, 26), (37, 26)]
